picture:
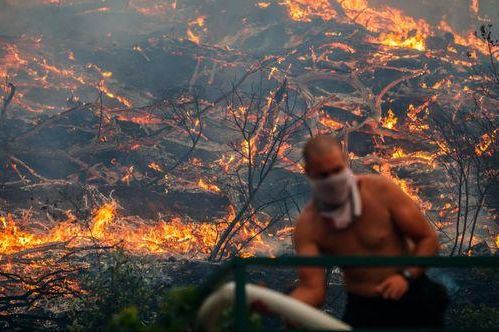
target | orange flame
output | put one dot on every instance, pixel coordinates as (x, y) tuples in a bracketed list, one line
[(474, 6), (393, 26), (326, 121), (102, 218), (151, 7), (207, 186), (263, 4), (107, 228), (305, 10), (155, 167), (389, 121), (394, 40), (385, 170), (486, 141)]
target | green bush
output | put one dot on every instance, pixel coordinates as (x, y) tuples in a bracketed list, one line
[(118, 294), (177, 313), (115, 284)]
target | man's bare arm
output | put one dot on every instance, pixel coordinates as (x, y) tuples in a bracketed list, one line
[(411, 221), (312, 287)]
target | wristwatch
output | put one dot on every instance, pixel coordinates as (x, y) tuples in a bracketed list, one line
[(407, 275)]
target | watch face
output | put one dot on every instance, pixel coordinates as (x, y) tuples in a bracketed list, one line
[(407, 274)]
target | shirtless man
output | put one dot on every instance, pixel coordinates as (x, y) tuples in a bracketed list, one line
[(365, 215)]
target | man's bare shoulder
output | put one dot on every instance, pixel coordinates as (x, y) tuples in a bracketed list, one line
[(385, 189), (376, 181)]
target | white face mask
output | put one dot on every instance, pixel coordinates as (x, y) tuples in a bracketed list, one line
[(337, 197), (335, 189)]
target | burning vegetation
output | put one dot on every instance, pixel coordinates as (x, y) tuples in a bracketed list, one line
[(174, 128)]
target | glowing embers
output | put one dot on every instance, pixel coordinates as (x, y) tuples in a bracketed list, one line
[(263, 4), (155, 166), (486, 144), (12, 60), (404, 184), (326, 121), (208, 186), (412, 157), (306, 10), (196, 28), (152, 7), (37, 76)]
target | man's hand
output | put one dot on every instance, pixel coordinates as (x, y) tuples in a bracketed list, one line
[(393, 287), (260, 307)]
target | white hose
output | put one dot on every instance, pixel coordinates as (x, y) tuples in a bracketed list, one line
[(289, 308)]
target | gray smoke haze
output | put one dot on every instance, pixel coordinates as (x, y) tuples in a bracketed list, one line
[(108, 37), (79, 22)]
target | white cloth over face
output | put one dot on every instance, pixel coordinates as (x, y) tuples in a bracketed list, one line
[(337, 198)]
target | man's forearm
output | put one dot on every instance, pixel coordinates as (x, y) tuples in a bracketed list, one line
[(309, 296), (425, 247)]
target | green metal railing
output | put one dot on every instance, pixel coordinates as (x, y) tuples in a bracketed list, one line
[(239, 266)]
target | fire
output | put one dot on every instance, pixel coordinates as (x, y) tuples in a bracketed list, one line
[(326, 121), (207, 186), (305, 10), (128, 176), (385, 170), (27, 61), (497, 240), (391, 27), (12, 61), (474, 6), (96, 10), (485, 143), (249, 150), (226, 162), (192, 37), (418, 156), (416, 42), (150, 7), (197, 24), (125, 101), (395, 29), (470, 40), (399, 153), (172, 236), (155, 167), (389, 121), (289, 164), (146, 119), (102, 218), (263, 4)]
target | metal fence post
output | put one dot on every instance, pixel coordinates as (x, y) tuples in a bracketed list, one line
[(240, 309)]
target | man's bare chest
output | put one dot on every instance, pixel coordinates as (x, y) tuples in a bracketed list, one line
[(370, 233)]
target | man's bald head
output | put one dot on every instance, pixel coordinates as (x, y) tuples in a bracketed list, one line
[(323, 154), (320, 145)]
